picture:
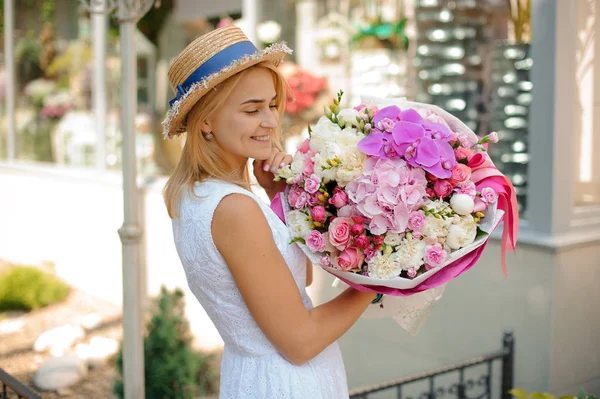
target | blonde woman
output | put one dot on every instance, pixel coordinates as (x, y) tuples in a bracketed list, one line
[(234, 249)]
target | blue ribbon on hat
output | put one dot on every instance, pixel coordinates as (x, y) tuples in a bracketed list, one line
[(217, 62)]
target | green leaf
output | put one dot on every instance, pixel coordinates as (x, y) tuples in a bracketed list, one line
[(540, 395), (519, 393), (298, 239)]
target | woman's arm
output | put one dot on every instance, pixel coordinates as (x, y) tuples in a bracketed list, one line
[(244, 239)]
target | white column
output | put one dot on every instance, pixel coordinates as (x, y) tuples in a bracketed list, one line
[(550, 195), (131, 231), (9, 61), (305, 29), (99, 25), (250, 17)]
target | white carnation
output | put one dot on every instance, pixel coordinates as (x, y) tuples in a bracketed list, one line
[(384, 266), (348, 115), (351, 166), (392, 239), (323, 169), (461, 232), (297, 165), (410, 253), (435, 228), (323, 133), (298, 224)]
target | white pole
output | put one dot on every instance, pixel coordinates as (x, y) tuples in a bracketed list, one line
[(131, 231), (305, 38), (250, 16), (99, 24), (9, 60)]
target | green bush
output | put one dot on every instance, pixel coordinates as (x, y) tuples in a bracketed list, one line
[(28, 288), (521, 394), (172, 368)]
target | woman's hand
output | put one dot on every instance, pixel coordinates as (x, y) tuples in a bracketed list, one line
[(264, 171)]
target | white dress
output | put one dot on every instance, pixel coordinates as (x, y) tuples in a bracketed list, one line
[(251, 366)]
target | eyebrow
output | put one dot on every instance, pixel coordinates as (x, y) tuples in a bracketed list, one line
[(257, 101)]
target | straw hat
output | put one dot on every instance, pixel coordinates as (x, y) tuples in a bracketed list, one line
[(208, 61)]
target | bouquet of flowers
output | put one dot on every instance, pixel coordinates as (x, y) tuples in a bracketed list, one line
[(395, 197)]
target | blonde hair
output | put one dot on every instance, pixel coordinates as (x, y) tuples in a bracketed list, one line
[(202, 159)]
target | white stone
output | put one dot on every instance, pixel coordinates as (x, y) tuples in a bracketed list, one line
[(58, 339), (11, 326), (58, 373), (98, 351)]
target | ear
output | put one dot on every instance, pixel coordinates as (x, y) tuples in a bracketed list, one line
[(205, 127)]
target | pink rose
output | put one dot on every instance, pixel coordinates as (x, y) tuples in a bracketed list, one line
[(350, 258), (467, 188), (430, 193), (442, 188), (435, 255), (318, 214), (339, 232), (325, 260), (463, 153), (308, 166), (301, 201), (312, 184), (357, 229), (461, 173), (304, 147), (489, 195), (339, 199), (412, 272), (315, 241), (361, 242), (313, 199), (416, 221)]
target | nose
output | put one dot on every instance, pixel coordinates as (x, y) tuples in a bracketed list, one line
[(270, 121)]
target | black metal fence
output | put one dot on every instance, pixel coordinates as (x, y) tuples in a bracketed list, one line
[(11, 388), (463, 386)]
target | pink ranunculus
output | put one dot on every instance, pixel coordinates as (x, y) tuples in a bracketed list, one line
[(357, 229), (302, 200), (467, 188), (463, 153), (349, 259), (489, 195), (442, 188), (308, 166), (318, 214), (435, 255), (480, 206), (312, 184), (325, 260), (339, 232), (361, 242), (412, 272), (304, 147), (293, 195), (339, 199), (315, 241), (416, 220), (461, 173)]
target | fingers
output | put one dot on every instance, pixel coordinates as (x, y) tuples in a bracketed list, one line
[(276, 161)]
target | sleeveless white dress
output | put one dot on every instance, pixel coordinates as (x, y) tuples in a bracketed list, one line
[(251, 366)]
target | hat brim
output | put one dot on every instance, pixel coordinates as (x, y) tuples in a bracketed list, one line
[(175, 124)]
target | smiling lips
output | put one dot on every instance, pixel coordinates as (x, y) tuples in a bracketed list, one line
[(261, 138)]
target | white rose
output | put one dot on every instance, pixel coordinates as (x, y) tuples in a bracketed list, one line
[(461, 233), (462, 204), (392, 239), (298, 225), (410, 253), (384, 267)]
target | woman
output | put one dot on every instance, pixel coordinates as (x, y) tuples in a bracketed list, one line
[(234, 249)]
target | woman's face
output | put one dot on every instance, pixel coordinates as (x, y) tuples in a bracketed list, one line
[(244, 126)]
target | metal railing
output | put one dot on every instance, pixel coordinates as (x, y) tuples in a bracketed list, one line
[(463, 386), (12, 388)]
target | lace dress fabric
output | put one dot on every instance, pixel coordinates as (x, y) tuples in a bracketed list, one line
[(251, 366)]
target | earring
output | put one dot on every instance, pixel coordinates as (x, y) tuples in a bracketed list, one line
[(209, 136)]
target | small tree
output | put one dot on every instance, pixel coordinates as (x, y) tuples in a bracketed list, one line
[(172, 368)]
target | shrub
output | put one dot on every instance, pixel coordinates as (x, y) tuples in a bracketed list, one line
[(172, 368), (28, 288)]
